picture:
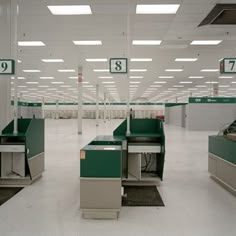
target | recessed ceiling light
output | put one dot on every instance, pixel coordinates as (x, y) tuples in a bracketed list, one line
[(66, 70), (138, 70), (211, 82), (157, 8), (70, 10), (225, 77), (32, 71), (178, 86), (46, 77), (192, 89), (160, 82), (174, 70), (101, 70), (52, 88), (209, 70), (32, 82), (186, 59), (105, 77), (43, 86), (52, 60), (234, 82), (134, 82), (196, 77), (156, 86), (19, 61), (141, 59), (20, 77), (88, 42), (223, 86), (146, 42), (30, 43), (73, 77), (185, 82), (65, 86), (96, 60), (172, 89), (108, 82), (57, 82), (165, 77), (205, 42), (136, 77), (201, 86), (22, 86)]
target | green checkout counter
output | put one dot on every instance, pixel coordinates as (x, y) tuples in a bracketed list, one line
[(222, 161), (22, 154), (108, 162)]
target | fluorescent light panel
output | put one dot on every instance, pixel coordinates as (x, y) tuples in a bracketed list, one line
[(157, 8), (174, 70), (70, 10), (196, 77), (186, 59), (205, 42), (136, 77), (185, 82), (160, 82), (46, 77), (166, 77), (105, 77), (32, 71), (146, 42), (96, 60), (57, 82), (67, 70), (52, 60), (209, 70), (30, 43), (226, 77), (88, 42), (32, 82)]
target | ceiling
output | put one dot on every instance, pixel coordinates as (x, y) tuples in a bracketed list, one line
[(108, 23)]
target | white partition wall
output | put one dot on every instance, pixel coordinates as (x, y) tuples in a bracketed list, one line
[(175, 115), (210, 114)]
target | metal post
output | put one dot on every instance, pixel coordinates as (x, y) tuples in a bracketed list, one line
[(105, 108), (97, 104), (80, 109), (14, 31), (128, 54)]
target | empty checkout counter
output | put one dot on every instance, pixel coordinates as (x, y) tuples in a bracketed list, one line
[(22, 154), (108, 162)]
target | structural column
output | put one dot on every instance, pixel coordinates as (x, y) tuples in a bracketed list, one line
[(5, 49), (80, 101)]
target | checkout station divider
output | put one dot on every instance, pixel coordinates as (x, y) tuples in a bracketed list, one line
[(108, 162), (22, 154)]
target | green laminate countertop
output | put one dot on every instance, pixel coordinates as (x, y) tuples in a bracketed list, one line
[(13, 135)]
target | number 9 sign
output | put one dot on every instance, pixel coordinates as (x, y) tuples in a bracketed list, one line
[(118, 65), (7, 67)]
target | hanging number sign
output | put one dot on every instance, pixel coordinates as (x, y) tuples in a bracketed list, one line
[(7, 67), (118, 65)]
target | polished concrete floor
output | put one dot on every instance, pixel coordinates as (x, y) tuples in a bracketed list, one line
[(195, 204)]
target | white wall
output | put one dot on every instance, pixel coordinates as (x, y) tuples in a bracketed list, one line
[(89, 111), (209, 117), (175, 115)]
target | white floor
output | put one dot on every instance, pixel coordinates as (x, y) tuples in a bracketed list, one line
[(195, 204)]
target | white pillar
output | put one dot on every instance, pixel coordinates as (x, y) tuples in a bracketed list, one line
[(14, 55), (5, 49), (97, 105), (80, 91), (57, 109), (105, 108)]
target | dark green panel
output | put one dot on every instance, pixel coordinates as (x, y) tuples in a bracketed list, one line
[(175, 104), (107, 140), (101, 164), (223, 148), (23, 125), (35, 137)]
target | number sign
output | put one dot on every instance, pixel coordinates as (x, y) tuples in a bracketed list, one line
[(118, 65), (7, 67), (228, 65)]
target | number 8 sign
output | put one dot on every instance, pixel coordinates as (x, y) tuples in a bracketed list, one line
[(118, 65), (7, 67)]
